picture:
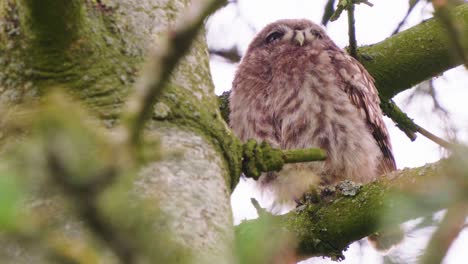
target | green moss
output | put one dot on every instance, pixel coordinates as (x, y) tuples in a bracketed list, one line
[(52, 23), (224, 105), (96, 61), (187, 111), (329, 225), (401, 119), (73, 55)]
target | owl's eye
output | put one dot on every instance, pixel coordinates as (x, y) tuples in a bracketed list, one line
[(274, 36), (316, 34)]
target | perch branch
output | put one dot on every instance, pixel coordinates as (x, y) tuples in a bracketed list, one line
[(340, 217)]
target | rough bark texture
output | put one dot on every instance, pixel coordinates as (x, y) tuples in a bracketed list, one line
[(94, 53)]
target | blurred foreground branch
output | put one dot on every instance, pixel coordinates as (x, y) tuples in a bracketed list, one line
[(443, 11), (443, 238)]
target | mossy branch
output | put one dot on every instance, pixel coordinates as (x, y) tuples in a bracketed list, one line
[(414, 55), (400, 118), (258, 158), (408, 126), (328, 226), (443, 13)]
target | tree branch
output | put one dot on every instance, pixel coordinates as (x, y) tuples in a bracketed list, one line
[(414, 55), (442, 12), (258, 158), (408, 126), (352, 32), (340, 217)]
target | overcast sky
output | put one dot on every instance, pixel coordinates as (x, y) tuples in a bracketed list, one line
[(237, 25)]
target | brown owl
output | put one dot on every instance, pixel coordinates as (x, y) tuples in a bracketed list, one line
[(295, 88)]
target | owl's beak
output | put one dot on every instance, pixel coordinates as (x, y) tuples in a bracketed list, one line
[(299, 37)]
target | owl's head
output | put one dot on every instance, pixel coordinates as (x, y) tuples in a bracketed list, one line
[(290, 33), (285, 46)]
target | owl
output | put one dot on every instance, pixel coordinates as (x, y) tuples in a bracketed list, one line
[(295, 88)]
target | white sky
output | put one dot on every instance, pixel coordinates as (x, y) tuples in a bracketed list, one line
[(238, 25)]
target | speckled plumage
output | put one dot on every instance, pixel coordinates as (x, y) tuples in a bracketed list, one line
[(296, 89)]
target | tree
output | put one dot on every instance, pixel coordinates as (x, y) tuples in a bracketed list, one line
[(94, 171)]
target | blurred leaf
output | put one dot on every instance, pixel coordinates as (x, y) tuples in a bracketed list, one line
[(10, 197), (264, 241)]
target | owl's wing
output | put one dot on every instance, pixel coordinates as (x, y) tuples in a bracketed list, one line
[(359, 85)]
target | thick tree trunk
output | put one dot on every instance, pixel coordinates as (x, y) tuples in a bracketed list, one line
[(94, 50)]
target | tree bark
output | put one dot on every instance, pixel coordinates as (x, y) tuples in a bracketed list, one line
[(93, 50)]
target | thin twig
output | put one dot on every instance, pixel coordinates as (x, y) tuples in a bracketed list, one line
[(408, 126), (441, 142), (352, 32), (328, 12), (260, 211), (232, 55), (448, 231), (162, 63), (408, 12)]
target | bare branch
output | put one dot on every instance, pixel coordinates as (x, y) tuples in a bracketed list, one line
[(328, 12), (352, 32), (231, 55), (412, 4)]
